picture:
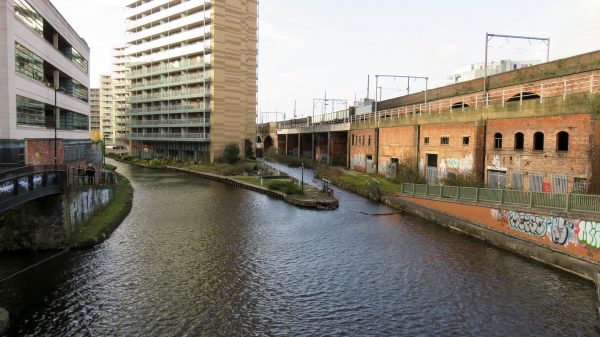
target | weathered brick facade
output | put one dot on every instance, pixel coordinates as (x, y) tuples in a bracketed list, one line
[(41, 151), (362, 150), (398, 143), (572, 163), (459, 154)]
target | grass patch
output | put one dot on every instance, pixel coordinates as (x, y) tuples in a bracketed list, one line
[(363, 184), (286, 186), (108, 218)]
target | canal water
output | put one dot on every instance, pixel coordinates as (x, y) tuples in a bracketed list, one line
[(199, 258)]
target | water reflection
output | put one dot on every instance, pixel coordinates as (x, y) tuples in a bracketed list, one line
[(201, 258)]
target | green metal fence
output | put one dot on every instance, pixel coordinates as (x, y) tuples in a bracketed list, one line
[(566, 202)]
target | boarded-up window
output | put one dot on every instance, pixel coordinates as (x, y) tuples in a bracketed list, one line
[(496, 179), (535, 182), (559, 183), (516, 180)]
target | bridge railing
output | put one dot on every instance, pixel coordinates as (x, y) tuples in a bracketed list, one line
[(557, 201), (30, 182)]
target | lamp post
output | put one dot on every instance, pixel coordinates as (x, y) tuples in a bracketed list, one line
[(56, 120)]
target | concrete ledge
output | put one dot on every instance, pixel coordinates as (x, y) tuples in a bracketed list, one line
[(581, 268), (3, 320)]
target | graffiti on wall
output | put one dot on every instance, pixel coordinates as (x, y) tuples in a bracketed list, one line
[(464, 165), (527, 223), (560, 231), (589, 233), (359, 160)]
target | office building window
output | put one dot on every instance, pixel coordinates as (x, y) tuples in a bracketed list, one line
[(28, 63), (29, 16), (32, 112), (70, 120)]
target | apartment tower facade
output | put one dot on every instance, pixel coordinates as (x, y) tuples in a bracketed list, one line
[(95, 113), (192, 76), (43, 61)]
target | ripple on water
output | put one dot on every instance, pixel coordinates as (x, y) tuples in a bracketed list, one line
[(200, 258)]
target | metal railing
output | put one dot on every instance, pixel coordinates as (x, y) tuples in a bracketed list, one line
[(183, 65), (558, 201), (168, 108), (23, 184), (155, 122), (538, 91), (198, 136)]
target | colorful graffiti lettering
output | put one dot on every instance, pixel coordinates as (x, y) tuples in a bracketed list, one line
[(589, 233), (560, 229), (527, 223)]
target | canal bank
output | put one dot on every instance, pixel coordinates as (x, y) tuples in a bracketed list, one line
[(103, 222), (307, 197), (563, 240)]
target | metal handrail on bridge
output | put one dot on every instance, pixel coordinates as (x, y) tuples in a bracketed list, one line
[(26, 183), (570, 202)]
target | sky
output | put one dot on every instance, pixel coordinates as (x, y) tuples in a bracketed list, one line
[(310, 48)]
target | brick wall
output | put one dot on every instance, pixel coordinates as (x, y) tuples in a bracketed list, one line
[(559, 233), (459, 155), (41, 151), (574, 163), (594, 182), (362, 144), (398, 143)]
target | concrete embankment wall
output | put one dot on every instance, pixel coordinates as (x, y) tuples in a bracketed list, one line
[(49, 222), (571, 244)]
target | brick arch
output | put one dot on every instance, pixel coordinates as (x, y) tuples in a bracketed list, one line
[(526, 95), (459, 105)]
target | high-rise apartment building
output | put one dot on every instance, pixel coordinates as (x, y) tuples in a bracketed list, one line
[(106, 109), (40, 52), (192, 78), (119, 92), (95, 114)]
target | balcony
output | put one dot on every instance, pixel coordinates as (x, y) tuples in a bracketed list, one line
[(178, 137), (188, 122), (179, 94), (185, 65), (171, 81), (169, 109)]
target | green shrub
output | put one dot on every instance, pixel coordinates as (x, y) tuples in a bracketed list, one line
[(407, 172), (460, 179), (158, 162), (286, 186), (248, 150), (231, 153)]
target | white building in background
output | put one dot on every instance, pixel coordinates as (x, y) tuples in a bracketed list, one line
[(40, 51), (476, 70), (113, 105)]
